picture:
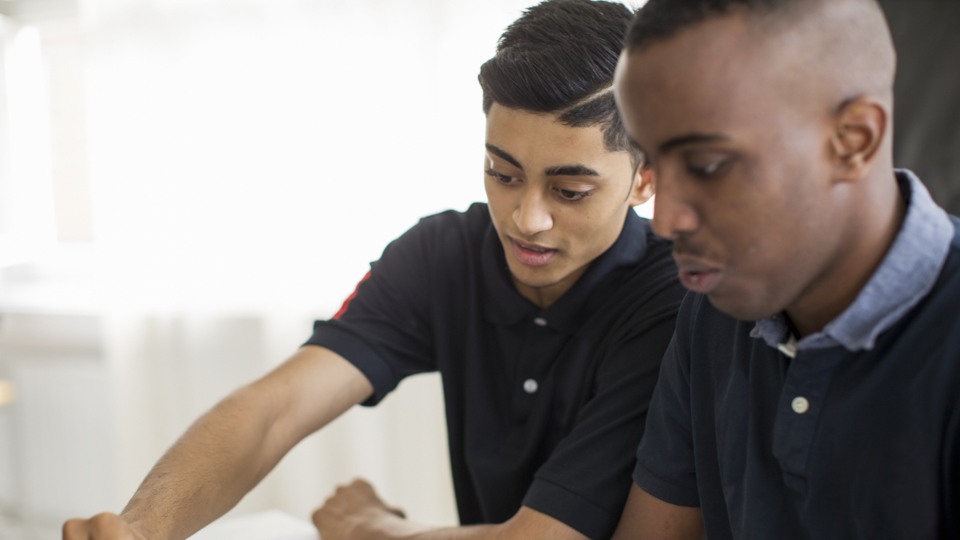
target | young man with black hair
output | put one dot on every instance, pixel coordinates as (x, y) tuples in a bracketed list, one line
[(811, 389), (546, 311)]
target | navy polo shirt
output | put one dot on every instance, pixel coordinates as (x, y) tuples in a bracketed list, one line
[(834, 437), (544, 407)]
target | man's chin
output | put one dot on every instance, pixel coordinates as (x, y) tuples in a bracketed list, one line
[(739, 307), (532, 283)]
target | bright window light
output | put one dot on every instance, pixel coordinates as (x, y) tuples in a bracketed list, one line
[(26, 207)]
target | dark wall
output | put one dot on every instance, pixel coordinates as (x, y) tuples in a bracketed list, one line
[(926, 34)]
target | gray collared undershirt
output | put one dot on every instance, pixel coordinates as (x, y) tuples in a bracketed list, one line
[(907, 273)]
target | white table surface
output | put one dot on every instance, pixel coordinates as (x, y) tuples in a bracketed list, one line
[(266, 525)]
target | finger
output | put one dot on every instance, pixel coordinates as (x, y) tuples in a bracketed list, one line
[(358, 485), (362, 483), (105, 526), (321, 518), (75, 529)]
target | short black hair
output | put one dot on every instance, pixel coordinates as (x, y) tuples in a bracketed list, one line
[(559, 57)]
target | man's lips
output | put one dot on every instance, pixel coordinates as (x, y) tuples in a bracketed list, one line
[(532, 254), (695, 274)]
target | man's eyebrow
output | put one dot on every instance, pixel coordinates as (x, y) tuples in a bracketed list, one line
[(690, 138), (559, 170), (571, 170), (504, 155)]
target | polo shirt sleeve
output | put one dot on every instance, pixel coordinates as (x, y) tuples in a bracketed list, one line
[(585, 481), (665, 457), (383, 327)]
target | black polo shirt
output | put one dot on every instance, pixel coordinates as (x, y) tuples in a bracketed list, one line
[(871, 450), (544, 407)]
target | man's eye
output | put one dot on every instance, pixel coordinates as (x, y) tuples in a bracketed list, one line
[(502, 178), (572, 195), (707, 169)]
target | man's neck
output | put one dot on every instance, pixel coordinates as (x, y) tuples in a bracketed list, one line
[(857, 259)]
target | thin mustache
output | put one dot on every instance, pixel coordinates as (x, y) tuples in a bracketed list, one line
[(683, 247), (686, 253)]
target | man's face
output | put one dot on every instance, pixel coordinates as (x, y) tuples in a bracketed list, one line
[(558, 198), (741, 166)]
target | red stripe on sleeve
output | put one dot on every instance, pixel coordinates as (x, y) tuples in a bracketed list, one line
[(346, 303)]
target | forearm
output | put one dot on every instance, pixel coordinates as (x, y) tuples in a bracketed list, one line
[(227, 451), (356, 512), (221, 457), (392, 527), (470, 532), (504, 531)]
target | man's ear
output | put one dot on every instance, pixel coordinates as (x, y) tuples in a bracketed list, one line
[(859, 130), (642, 186)]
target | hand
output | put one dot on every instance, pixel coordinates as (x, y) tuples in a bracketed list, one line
[(356, 512), (104, 526)]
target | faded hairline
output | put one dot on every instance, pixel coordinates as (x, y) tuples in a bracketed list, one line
[(848, 41)]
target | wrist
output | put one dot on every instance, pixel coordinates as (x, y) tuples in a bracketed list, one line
[(390, 526), (142, 528)]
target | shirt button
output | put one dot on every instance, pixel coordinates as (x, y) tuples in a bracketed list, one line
[(800, 405), (530, 386), (540, 321)]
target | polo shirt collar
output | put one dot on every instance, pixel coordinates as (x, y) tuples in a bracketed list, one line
[(505, 305), (907, 273)]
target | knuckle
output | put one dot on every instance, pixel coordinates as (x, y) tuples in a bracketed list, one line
[(102, 520), (319, 516), (72, 528)]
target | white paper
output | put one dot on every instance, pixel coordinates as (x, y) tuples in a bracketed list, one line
[(267, 525)]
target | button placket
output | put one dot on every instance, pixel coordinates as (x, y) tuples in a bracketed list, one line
[(530, 385), (801, 400)]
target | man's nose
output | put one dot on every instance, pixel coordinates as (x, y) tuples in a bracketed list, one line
[(532, 215), (673, 214)]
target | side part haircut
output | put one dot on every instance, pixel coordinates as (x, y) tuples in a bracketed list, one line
[(559, 57)]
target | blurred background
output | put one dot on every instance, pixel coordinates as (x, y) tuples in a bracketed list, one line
[(185, 185)]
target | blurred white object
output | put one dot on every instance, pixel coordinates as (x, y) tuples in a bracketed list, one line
[(8, 393), (267, 525)]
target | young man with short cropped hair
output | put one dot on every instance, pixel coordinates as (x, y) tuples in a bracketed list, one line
[(546, 311), (811, 389)]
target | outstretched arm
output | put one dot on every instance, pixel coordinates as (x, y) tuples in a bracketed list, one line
[(356, 512), (231, 448)]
